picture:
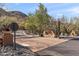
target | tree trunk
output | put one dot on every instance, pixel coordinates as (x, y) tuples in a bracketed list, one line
[(41, 34)]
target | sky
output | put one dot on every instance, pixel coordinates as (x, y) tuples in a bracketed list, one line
[(54, 9)]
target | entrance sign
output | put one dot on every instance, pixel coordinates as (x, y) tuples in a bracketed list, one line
[(14, 27)]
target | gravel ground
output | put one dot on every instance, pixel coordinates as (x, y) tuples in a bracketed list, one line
[(20, 51)]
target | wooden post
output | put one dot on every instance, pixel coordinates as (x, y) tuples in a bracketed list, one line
[(1, 42), (58, 27)]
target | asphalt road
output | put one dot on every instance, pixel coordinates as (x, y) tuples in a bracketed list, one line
[(69, 48)]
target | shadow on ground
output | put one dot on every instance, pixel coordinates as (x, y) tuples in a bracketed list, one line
[(20, 46)]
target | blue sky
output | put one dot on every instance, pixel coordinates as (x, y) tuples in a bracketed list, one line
[(54, 9)]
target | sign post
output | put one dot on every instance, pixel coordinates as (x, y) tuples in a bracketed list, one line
[(14, 40), (14, 27)]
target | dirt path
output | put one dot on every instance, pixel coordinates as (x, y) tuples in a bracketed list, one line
[(37, 44)]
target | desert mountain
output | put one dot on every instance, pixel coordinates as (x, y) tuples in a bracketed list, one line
[(14, 14)]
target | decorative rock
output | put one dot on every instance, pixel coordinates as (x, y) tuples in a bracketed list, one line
[(20, 51)]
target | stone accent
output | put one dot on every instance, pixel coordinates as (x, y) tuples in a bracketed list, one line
[(49, 33), (7, 38), (73, 33)]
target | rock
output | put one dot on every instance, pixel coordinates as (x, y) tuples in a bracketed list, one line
[(20, 51)]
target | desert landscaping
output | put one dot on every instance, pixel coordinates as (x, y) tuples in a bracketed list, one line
[(38, 29)]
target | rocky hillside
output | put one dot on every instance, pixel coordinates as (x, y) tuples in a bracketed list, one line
[(17, 14), (14, 14)]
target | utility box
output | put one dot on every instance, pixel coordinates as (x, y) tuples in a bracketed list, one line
[(7, 38)]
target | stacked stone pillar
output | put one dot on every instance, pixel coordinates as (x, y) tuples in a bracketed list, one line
[(7, 38)]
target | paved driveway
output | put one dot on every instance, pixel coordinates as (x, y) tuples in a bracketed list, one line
[(39, 43), (69, 48)]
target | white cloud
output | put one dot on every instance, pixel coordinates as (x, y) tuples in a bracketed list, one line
[(69, 11), (59, 14), (17, 3), (74, 10)]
